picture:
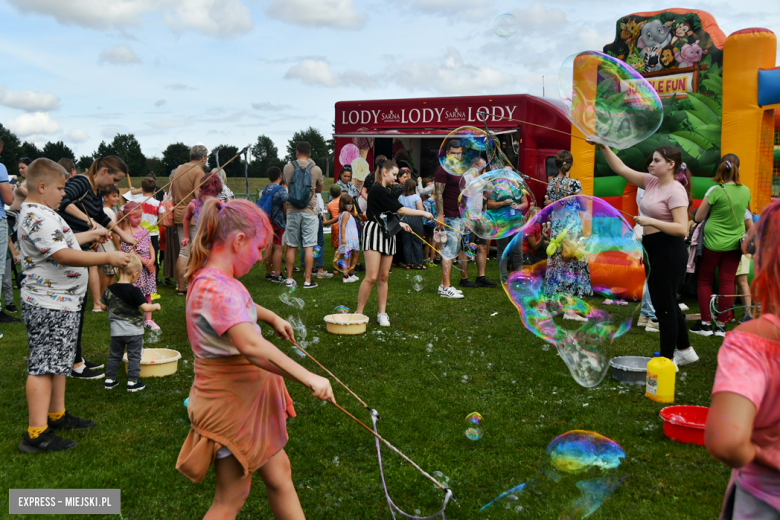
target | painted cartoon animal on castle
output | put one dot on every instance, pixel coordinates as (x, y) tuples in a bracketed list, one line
[(629, 32), (651, 57), (689, 54), (654, 34)]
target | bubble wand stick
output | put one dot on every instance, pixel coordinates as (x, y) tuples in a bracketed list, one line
[(487, 114)]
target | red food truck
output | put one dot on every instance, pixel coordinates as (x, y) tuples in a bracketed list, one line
[(383, 127)]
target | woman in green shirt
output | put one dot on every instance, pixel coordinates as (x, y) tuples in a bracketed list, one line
[(724, 207)]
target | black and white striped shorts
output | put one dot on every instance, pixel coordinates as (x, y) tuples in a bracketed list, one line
[(374, 239)]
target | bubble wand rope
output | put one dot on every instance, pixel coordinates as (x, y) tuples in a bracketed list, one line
[(375, 433), (714, 309), (487, 114), (440, 253), (205, 178)]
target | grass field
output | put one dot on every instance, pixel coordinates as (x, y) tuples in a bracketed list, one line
[(412, 373)]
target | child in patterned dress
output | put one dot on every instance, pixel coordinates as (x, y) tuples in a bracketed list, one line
[(211, 187), (147, 282)]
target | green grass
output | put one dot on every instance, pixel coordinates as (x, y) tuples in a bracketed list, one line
[(522, 389)]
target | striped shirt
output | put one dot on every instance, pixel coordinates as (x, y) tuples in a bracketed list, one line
[(76, 188)]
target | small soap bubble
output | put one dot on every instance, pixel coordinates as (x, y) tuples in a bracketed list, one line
[(441, 478), (418, 283), (341, 309), (316, 251), (474, 429), (505, 25)]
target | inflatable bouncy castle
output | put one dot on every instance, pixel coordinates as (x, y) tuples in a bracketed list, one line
[(719, 96)]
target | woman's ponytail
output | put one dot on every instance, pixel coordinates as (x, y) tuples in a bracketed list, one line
[(208, 222)]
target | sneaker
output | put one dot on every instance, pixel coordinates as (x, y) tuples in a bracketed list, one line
[(702, 329), (441, 289), (269, 276), (135, 386), (70, 422), (5, 318), (436, 235), (350, 279), (91, 365), (642, 322), (47, 441), (11, 308), (573, 316), (683, 307), (484, 282), (465, 282), (309, 285), (296, 269), (289, 282), (685, 357), (108, 384), (355, 278), (155, 296), (383, 319), (323, 274), (87, 373), (746, 318), (151, 325), (450, 292), (277, 278), (652, 326), (720, 332)]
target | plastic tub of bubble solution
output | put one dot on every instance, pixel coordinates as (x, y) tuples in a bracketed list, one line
[(685, 423), (629, 370), (158, 362), (349, 324)]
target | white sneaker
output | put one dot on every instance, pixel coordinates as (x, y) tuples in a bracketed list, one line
[(674, 362), (573, 316), (289, 282), (354, 278), (450, 292), (441, 289), (348, 279), (683, 307), (642, 322), (324, 274), (685, 357), (652, 326), (383, 319)]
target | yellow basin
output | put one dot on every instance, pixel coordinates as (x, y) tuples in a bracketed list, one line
[(158, 362), (346, 323)]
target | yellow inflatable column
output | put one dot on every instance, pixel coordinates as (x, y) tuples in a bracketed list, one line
[(585, 82), (746, 125)]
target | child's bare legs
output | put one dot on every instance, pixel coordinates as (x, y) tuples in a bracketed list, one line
[(105, 281), (282, 497), (232, 490), (353, 263), (372, 260), (94, 287), (277, 258), (743, 289), (45, 394)]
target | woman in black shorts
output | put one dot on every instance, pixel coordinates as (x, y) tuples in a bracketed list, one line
[(378, 246)]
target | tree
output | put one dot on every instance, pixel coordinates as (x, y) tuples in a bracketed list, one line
[(155, 164), (319, 149), (174, 156), (105, 150), (84, 162), (266, 155), (31, 151), (226, 152), (129, 149), (57, 151), (12, 150)]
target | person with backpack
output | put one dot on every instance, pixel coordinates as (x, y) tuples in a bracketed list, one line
[(304, 180), (273, 201)]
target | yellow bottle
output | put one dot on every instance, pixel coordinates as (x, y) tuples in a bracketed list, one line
[(660, 379)]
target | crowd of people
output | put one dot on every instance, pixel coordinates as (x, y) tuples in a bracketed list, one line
[(74, 232)]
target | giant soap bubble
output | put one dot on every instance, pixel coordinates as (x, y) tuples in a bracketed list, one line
[(505, 25), (591, 249), (493, 204), (474, 143), (608, 100), (581, 470)]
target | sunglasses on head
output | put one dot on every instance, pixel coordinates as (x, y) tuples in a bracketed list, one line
[(347, 168)]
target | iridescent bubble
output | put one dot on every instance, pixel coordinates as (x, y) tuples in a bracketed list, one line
[(582, 469), (341, 309), (474, 143), (591, 247), (471, 251), (342, 259), (316, 251), (474, 429), (441, 478), (418, 283), (154, 336), (493, 204), (451, 239), (505, 25), (608, 100)]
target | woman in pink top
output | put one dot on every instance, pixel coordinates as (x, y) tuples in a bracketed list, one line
[(743, 426), (665, 221)]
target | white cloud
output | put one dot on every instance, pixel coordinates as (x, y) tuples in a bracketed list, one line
[(270, 107), (319, 73), (28, 100), (120, 54), (452, 10), (32, 124), (77, 136), (339, 14), (220, 18), (179, 86), (108, 132), (166, 124), (539, 18), (159, 102)]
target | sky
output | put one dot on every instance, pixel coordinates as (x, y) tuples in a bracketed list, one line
[(226, 71)]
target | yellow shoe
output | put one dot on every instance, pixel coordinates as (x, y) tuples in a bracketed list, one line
[(156, 296)]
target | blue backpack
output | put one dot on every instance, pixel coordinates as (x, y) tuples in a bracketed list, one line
[(266, 199), (300, 186)]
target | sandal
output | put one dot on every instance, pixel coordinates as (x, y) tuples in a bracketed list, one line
[(405, 266), (181, 293)]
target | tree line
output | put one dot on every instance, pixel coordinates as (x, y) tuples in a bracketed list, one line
[(263, 154)]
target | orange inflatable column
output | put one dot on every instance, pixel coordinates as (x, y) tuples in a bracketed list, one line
[(745, 123), (585, 82)]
